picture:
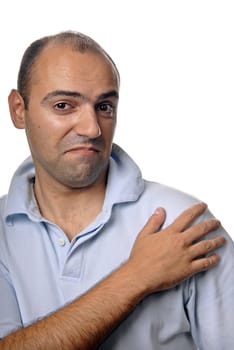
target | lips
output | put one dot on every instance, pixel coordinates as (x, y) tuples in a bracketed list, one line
[(83, 149)]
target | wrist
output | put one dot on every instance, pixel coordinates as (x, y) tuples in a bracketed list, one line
[(135, 282)]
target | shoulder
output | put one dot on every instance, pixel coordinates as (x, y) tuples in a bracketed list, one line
[(173, 200)]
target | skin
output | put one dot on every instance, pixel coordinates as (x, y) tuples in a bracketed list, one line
[(70, 149), (70, 124), (81, 324), (74, 155)]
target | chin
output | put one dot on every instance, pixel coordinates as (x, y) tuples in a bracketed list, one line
[(84, 181)]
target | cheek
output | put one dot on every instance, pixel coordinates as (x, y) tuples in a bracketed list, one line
[(40, 137), (42, 127), (36, 131), (108, 130)]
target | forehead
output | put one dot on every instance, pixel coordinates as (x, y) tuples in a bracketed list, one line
[(60, 67)]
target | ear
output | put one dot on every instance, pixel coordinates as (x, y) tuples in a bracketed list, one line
[(17, 109)]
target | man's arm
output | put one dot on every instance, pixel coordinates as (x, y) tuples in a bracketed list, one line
[(85, 323)]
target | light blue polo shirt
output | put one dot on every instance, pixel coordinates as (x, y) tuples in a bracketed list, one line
[(41, 270)]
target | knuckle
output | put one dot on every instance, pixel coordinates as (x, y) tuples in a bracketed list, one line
[(210, 261), (206, 226), (206, 264), (208, 245), (213, 244), (191, 216)]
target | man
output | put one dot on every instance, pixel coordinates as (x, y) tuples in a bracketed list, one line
[(74, 272)]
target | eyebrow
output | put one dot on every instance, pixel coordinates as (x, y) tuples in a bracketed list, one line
[(112, 93), (57, 93), (76, 94)]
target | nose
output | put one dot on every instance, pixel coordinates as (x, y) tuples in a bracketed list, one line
[(86, 123)]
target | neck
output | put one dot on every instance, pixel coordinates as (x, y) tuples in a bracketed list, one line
[(70, 209)]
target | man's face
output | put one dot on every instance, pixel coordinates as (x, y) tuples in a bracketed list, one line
[(71, 116)]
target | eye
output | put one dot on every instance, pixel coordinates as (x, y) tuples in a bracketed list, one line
[(106, 109), (62, 106)]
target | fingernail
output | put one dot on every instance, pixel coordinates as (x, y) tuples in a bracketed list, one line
[(203, 204), (158, 211)]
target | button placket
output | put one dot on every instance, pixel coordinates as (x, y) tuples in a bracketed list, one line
[(73, 264)]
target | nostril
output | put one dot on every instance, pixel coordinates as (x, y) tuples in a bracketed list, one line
[(88, 129)]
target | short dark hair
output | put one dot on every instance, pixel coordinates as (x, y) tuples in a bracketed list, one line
[(76, 40)]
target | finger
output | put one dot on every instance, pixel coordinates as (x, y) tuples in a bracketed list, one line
[(203, 264), (188, 216), (206, 246), (154, 223), (201, 229)]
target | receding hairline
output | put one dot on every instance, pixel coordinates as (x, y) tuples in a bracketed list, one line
[(68, 44), (76, 41)]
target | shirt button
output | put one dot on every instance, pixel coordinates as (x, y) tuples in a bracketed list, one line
[(61, 242)]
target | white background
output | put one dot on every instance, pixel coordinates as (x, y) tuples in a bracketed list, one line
[(176, 60)]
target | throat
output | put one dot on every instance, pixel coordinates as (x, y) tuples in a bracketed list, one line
[(72, 226), (71, 212)]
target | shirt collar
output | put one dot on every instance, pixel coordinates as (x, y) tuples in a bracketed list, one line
[(124, 184)]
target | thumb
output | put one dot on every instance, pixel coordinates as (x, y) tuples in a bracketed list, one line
[(154, 223)]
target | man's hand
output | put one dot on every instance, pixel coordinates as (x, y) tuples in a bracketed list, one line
[(163, 259), (157, 261)]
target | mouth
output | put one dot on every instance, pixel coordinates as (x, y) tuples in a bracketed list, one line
[(83, 150)]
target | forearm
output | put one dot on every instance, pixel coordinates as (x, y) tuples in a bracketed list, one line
[(84, 323), (157, 261)]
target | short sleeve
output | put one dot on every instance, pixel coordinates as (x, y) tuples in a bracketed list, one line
[(211, 304)]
